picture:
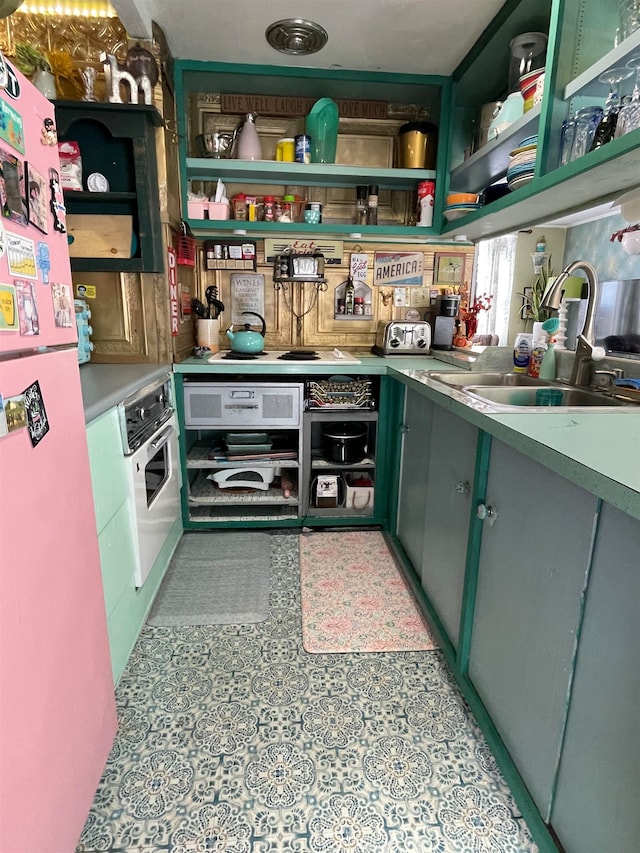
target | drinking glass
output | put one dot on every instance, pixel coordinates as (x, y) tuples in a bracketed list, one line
[(566, 140), (629, 115), (607, 126), (586, 120), (629, 18)]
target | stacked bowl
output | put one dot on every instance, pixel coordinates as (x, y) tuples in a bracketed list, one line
[(460, 204), (522, 163), (531, 85)]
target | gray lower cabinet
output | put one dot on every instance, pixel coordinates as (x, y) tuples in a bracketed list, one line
[(418, 412), (438, 459), (449, 489), (596, 806), (532, 570)]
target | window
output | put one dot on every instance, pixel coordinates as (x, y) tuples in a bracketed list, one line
[(494, 274)]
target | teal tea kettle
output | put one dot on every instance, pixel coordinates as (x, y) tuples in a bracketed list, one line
[(246, 340)]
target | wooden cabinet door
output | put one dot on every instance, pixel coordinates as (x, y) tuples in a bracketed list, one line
[(596, 805), (418, 412), (448, 502), (532, 570)]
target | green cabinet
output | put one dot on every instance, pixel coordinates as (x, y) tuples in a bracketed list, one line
[(581, 47), (126, 607), (596, 804), (118, 141), (434, 503), (532, 569), (282, 92)]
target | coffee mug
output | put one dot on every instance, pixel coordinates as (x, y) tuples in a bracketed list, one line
[(285, 150), (312, 217)]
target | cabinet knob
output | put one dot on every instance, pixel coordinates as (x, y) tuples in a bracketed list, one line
[(487, 512), (462, 488)]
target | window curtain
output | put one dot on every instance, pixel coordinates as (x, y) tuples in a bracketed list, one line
[(494, 274)]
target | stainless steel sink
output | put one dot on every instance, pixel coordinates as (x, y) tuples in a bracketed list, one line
[(457, 380), (578, 397)]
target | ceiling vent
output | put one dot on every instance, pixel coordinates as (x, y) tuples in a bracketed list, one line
[(296, 36)]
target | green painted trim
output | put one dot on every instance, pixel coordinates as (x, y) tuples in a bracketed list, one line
[(207, 227), (313, 174), (394, 425), (474, 540), (498, 21), (186, 67)]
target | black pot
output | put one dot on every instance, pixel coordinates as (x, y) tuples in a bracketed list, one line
[(345, 443)]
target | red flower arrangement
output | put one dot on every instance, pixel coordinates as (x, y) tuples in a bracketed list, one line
[(469, 313)]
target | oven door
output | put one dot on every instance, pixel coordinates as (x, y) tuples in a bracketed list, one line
[(154, 477)]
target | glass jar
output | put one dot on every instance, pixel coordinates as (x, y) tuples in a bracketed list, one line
[(239, 206)]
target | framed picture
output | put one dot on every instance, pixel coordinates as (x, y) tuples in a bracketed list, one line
[(37, 199), (448, 269)]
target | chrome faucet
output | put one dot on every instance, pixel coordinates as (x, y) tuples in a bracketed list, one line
[(586, 351)]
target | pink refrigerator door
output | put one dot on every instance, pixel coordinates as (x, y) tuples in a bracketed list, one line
[(36, 297), (57, 706)]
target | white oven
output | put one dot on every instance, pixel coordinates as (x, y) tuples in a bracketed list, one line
[(154, 482)]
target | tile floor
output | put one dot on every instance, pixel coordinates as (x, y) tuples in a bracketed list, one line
[(234, 739)]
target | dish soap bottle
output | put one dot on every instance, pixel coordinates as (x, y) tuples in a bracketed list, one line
[(249, 147), (548, 366)]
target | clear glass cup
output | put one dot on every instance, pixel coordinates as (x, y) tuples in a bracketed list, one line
[(586, 120), (629, 115), (566, 140), (607, 126), (628, 19)]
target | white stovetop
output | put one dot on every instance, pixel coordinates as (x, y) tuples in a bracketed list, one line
[(273, 357)]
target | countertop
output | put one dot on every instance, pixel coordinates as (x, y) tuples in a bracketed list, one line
[(106, 385), (598, 450)]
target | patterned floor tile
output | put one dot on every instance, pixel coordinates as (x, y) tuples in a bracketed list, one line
[(233, 739)]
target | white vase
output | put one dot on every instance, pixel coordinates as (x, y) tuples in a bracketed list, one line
[(249, 147), (45, 82)]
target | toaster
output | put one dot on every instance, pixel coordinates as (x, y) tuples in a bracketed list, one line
[(403, 337)]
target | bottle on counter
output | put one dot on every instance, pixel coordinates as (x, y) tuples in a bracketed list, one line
[(362, 191), (349, 297), (372, 204)]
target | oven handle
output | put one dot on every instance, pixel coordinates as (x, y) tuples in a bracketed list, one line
[(161, 440)]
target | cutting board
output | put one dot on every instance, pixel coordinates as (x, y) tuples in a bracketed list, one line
[(99, 236)]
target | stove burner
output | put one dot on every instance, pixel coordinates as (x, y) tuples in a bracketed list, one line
[(299, 355), (244, 356)]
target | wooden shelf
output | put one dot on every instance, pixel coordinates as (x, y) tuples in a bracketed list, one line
[(596, 178), (313, 174), (238, 227), (615, 58), (489, 163), (107, 265)]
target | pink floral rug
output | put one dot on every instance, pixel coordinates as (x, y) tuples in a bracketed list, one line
[(354, 597)]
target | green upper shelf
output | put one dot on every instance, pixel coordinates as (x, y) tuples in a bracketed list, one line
[(312, 174)]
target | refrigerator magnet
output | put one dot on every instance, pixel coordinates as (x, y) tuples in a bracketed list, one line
[(49, 135), (43, 261), (27, 308), (37, 199), (8, 309), (11, 129), (3, 419), (22, 256), (63, 311), (56, 202), (37, 421), (15, 413), (12, 194)]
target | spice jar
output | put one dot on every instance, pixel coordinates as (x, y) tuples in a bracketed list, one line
[(269, 208), (239, 206), (372, 205), (358, 305)]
